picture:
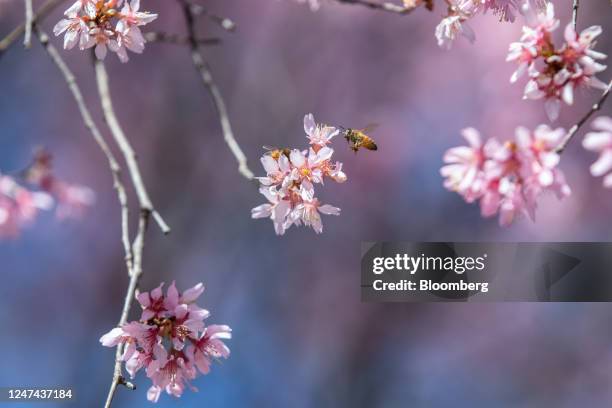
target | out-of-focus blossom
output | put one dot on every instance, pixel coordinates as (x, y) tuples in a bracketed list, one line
[(555, 73), (506, 178), (170, 341), (460, 11), (313, 4), (19, 206), (291, 175), (600, 141), (102, 25), (73, 200), (450, 27)]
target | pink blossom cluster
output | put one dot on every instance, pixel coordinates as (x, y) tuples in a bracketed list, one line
[(72, 199), (460, 11), (555, 73), (506, 178), (600, 141), (170, 341), (290, 179), (104, 24), (38, 189), (19, 206)]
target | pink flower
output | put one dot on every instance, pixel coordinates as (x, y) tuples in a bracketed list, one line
[(291, 176), (76, 31), (209, 347), (91, 24), (308, 213), (19, 206), (450, 27), (170, 340), (555, 73), (507, 178), (463, 171), (600, 141), (319, 135)]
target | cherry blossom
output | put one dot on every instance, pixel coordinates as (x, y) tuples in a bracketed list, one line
[(170, 341), (506, 178), (73, 200), (291, 176), (600, 141), (19, 206), (90, 24), (460, 11), (555, 73)]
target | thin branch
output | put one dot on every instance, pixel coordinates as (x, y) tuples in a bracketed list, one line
[(125, 146), (224, 22), (572, 132), (97, 135), (137, 248), (44, 10), (29, 16), (202, 67), (384, 6), (575, 13), (161, 37)]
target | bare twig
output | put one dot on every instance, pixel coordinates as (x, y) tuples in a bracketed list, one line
[(44, 10), (125, 146), (575, 13), (99, 139), (137, 248), (384, 6), (202, 67), (157, 36), (29, 16), (224, 22), (572, 132)]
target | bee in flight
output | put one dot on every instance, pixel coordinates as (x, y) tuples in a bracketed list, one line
[(357, 138), (276, 152)]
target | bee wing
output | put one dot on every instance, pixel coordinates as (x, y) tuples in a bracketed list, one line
[(269, 148), (370, 127)]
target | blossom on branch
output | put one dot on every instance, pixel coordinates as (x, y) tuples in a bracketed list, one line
[(555, 73), (72, 199), (170, 341), (19, 206), (600, 141), (89, 23), (506, 178), (460, 11), (290, 178)]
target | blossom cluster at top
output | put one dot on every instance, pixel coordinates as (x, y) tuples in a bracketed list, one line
[(506, 178), (460, 11), (290, 179), (20, 202), (555, 73), (170, 341), (103, 25)]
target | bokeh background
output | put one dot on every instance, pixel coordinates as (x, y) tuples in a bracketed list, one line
[(302, 338)]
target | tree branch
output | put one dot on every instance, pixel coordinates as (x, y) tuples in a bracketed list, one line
[(572, 132), (44, 10), (204, 70), (161, 37), (125, 146), (575, 13), (137, 248), (223, 22), (29, 16), (98, 138), (384, 6)]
